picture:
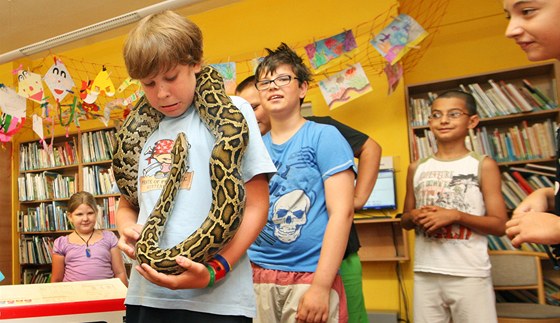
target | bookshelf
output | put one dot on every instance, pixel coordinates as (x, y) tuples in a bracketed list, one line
[(519, 134), (48, 176), (522, 142), (382, 239)]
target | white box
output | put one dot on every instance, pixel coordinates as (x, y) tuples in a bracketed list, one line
[(87, 301)]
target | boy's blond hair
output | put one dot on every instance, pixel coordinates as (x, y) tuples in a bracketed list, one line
[(160, 42)]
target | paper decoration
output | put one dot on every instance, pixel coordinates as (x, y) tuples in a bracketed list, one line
[(227, 71), (30, 85), (11, 103), (255, 63), (58, 80), (128, 82), (38, 126), (101, 84), (345, 86), (395, 40), (394, 74), (323, 51), (13, 108)]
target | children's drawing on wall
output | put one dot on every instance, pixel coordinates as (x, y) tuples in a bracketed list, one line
[(13, 108), (394, 74), (227, 71), (395, 40), (255, 63), (345, 86), (325, 50)]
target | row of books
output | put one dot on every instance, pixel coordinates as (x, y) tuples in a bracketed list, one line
[(497, 98), (98, 180), (517, 143), (98, 145), (39, 155), (45, 186), (36, 250), (36, 276), (53, 216), (503, 243), (516, 186)]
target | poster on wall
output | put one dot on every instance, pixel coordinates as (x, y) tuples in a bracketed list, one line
[(345, 86), (395, 40), (227, 71), (325, 50)]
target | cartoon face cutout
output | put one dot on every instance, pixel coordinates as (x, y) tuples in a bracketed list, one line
[(102, 83), (30, 85), (58, 80)]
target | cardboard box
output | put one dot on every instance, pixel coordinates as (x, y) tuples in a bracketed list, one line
[(87, 301)]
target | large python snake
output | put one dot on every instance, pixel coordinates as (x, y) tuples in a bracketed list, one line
[(228, 126)]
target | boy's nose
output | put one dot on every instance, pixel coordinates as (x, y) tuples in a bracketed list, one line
[(513, 29)]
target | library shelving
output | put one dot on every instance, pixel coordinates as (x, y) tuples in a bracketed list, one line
[(382, 239), (519, 115), (49, 173)]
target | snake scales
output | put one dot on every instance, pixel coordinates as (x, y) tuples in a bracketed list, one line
[(227, 124)]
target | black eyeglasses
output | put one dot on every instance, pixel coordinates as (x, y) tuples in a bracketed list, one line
[(280, 81)]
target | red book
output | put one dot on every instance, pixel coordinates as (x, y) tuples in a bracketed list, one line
[(523, 183)]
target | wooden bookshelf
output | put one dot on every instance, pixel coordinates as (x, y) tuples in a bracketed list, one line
[(382, 239), (49, 177)]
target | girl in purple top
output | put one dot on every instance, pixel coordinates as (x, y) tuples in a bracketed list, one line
[(86, 253)]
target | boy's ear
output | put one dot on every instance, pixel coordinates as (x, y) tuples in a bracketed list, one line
[(473, 121), (304, 87)]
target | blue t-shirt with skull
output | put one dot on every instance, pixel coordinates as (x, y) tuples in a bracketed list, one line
[(297, 216)]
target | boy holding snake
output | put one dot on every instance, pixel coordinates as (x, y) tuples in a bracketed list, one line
[(164, 52)]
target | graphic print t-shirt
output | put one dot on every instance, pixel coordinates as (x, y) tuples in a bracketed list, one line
[(455, 249), (297, 217)]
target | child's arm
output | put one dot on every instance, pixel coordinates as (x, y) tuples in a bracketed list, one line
[(369, 157), (254, 219), (496, 214), (117, 264), (410, 214), (57, 268), (339, 192), (540, 200), (530, 221), (129, 230)]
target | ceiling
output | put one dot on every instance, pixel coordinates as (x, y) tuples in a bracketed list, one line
[(26, 22)]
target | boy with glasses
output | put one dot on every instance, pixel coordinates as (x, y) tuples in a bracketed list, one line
[(453, 200), (368, 153), (297, 255)]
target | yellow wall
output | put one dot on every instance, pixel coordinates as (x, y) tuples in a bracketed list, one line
[(466, 43)]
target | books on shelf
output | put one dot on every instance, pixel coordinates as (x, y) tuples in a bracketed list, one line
[(516, 186), (516, 142), (496, 98)]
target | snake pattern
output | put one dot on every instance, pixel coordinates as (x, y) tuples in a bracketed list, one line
[(228, 126)]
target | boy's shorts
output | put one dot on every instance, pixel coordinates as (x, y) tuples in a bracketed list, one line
[(279, 292)]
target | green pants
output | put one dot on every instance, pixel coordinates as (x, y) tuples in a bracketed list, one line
[(351, 272)]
